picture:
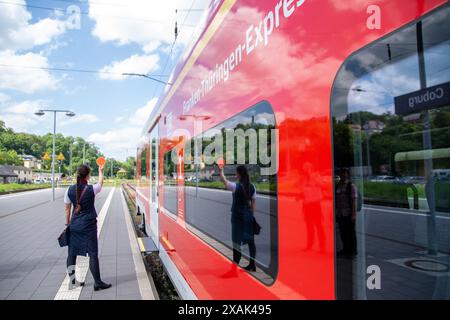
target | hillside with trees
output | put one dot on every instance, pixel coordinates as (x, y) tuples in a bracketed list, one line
[(13, 144)]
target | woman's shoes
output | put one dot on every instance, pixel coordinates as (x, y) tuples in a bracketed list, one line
[(75, 284), (251, 268), (102, 286)]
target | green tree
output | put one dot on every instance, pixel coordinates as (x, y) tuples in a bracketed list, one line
[(10, 157)]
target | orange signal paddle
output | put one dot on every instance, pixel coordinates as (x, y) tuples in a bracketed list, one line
[(101, 162), (221, 163)]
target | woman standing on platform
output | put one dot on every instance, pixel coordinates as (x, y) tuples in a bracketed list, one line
[(242, 211), (82, 223)]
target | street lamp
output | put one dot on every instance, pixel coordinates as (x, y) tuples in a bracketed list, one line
[(40, 113)]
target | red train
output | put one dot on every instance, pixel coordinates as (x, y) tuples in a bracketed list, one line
[(343, 112)]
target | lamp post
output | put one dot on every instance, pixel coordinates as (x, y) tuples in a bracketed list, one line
[(40, 113), (84, 153)]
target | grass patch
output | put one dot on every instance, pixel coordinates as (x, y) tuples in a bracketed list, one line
[(16, 187), (164, 286), (383, 193), (260, 186), (397, 194)]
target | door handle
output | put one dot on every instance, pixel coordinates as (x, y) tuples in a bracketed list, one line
[(169, 247)]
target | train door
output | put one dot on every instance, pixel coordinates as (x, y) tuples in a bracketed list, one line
[(154, 193)]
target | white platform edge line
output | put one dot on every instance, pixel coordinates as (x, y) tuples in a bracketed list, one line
[(145, 284), (83, 262), (405, 213)]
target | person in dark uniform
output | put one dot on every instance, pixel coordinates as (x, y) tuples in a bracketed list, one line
[(242, 210), (346, 206), (82, 222)]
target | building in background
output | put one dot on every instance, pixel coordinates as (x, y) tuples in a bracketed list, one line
[(7, 175), (373, 126), (31, 162), (24, 174), (45, 177)]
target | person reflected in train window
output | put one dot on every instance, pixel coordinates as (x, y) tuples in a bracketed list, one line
[(346, 207), (82, 224), (242, 219)]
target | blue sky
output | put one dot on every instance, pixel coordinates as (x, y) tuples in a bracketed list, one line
[(114, 36)]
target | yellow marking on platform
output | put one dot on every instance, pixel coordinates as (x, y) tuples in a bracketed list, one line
[(141, 245)]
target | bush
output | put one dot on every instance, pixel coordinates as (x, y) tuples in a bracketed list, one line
[(385, 193)]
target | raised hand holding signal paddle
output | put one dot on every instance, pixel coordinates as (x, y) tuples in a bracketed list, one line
[(101, 162), (221, 163)]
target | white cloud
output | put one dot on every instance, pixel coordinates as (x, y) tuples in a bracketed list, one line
[(141, 115), (80, 118), (19, 122), (119, 119), (17, 33), (150, 25), (4, 97), (20, 116), (115, 142), (142, 64), (25, 107), (147, 23), (24, 79)]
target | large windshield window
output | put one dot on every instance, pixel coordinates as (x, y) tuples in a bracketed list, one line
[(391, 132)]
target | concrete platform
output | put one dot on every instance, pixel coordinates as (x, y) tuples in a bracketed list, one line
[(33, 266)]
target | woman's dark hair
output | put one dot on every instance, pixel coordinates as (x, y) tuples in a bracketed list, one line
[(82, 173), (244, 178)]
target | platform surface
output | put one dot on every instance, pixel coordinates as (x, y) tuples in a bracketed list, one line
[(33, 266)]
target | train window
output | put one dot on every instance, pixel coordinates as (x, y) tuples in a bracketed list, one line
[(391, 129), (170, 184), (153, 169), (144, 162), (248, 139)]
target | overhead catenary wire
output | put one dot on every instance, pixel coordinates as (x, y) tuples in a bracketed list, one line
[(138, 19), (115, 4), (177, 32), (148, 76)]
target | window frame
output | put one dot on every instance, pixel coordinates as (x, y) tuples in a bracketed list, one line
[(274, 227), (331, 117), (165, 210)]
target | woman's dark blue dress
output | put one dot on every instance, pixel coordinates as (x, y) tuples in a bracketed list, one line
[(83, 225), (242, 216)]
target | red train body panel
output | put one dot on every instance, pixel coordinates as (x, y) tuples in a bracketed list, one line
[(294, 72)]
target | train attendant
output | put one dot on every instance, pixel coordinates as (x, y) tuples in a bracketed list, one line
[(242, 210), (82, 224), (346, 207)]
